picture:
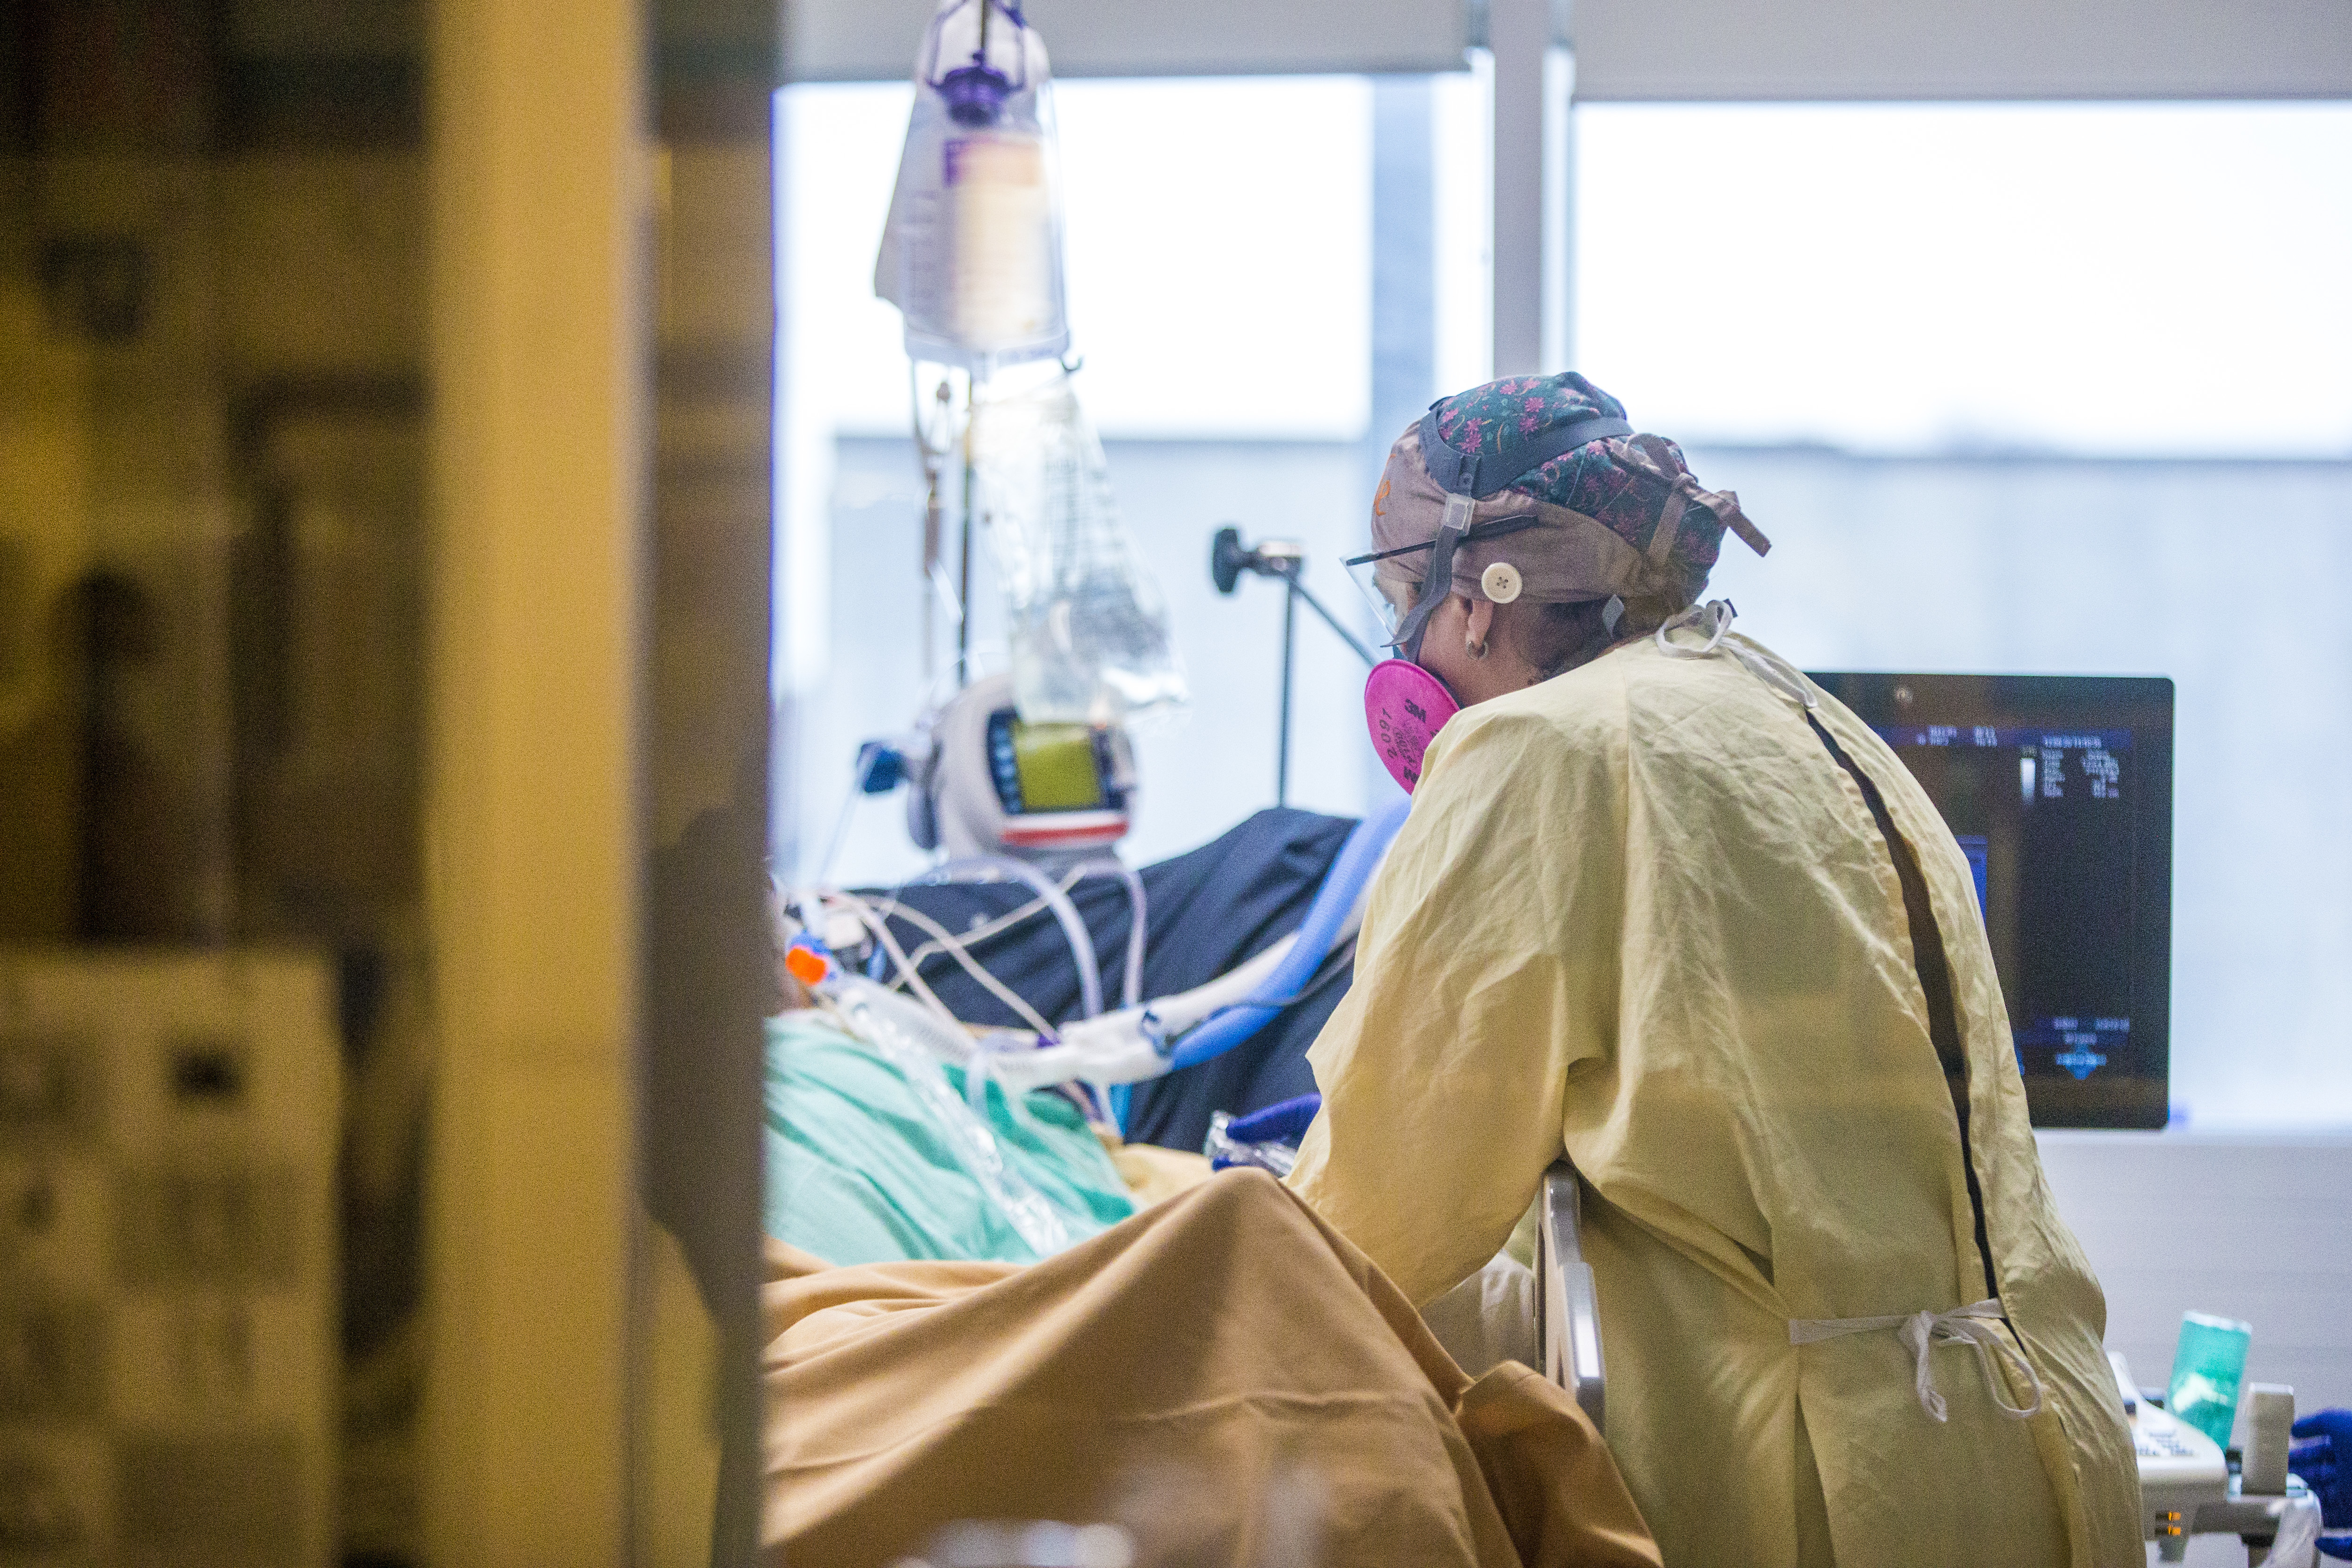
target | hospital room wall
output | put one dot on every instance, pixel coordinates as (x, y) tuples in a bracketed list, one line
[(2244, 1226)]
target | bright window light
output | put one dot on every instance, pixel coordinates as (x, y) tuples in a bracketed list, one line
[(1219, 266), (2130, 278), (1218, 243)]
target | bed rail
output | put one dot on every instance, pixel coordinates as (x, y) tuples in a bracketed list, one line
[(1568, 1315)]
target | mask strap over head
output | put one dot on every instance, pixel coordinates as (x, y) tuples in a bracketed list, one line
[(1456, 530), (1469, 477)]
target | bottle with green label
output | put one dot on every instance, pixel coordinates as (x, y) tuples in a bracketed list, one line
[(2205, 1371)]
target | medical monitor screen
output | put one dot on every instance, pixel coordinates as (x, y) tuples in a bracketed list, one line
[(1044, 766), (2058, 789)]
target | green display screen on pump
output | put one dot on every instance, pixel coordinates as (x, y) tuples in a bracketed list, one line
[(1044, 766)]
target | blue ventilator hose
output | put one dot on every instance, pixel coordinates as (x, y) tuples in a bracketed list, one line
[(1342, 886)]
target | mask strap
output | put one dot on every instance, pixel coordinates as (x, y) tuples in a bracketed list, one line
[(1714, 618), (1475, 473), (1459, 508)]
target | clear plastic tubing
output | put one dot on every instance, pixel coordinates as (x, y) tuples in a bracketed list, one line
[(1131, 988), (894, 1026)]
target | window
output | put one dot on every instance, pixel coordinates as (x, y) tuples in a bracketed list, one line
[(1223, 299)]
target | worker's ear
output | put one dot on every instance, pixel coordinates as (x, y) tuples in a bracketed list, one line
[(1481, 626)]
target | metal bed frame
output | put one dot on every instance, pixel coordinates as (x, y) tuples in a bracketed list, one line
[(1568, 1314)]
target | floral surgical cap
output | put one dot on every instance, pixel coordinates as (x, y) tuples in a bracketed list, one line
[(1618, 516)]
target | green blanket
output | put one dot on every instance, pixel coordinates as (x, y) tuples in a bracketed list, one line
[(858, 1171)]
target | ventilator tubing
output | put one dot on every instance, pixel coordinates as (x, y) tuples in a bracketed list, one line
[(1334, 907), (906, 1034), (1134, 1043)]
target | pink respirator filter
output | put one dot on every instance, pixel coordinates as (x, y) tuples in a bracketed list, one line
[(1404, 707)]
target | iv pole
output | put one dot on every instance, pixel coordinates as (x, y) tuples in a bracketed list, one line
[(1284, 560)]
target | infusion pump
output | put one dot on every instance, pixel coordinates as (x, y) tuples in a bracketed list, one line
[(168, 1134)]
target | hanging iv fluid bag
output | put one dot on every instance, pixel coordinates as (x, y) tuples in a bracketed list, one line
[(1087, 629), (972, 254)]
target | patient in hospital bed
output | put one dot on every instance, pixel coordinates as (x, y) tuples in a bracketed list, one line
[(1199, 1360), (860, 1170), (1076, 1327), (1222, 1375)]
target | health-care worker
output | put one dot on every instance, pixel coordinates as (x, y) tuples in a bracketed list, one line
[(1664, 904)]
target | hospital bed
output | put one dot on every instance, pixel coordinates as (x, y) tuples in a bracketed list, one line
[(1568, 1313)]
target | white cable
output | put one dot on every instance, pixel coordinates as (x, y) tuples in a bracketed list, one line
[(981, 933), (881, 929), (958, 948), (978, 934), (997, 868), (954, 948)]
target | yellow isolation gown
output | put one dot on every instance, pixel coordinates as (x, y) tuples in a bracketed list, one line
[(1642, 914)]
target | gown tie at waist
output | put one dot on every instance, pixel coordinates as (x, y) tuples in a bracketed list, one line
[(1973, 1325)]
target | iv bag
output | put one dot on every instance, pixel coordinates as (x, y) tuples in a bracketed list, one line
[(972, 254), (1087, 629)]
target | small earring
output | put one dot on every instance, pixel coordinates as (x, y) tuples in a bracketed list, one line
[(1474, 646)]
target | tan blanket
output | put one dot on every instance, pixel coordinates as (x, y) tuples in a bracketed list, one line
[(1224, 1375)]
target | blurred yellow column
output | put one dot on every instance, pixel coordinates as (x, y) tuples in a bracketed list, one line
[(540, 333)]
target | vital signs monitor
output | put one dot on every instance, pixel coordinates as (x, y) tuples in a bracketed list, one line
[(2059, 789)]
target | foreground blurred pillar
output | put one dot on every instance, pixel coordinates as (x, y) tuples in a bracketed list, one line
[(538, 366)]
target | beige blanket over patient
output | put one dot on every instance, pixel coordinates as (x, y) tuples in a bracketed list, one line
[(1223, 1374)]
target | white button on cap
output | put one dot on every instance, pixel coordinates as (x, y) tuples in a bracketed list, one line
[(1500, 582)]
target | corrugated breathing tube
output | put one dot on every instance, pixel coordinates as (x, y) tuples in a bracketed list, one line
[(1342, 886)]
